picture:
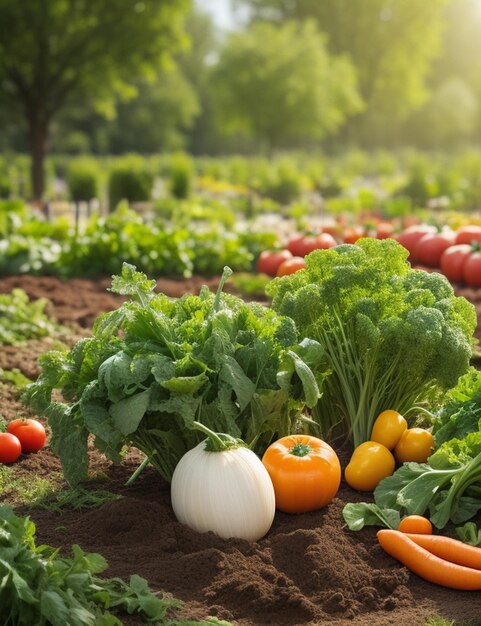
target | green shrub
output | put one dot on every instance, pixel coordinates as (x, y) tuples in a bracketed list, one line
[(131, 180), (181, 175), (83, 179)]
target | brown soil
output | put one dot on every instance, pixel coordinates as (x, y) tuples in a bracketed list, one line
[(308, 570)]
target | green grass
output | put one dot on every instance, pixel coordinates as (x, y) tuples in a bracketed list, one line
[(441, 621), (47, 493)]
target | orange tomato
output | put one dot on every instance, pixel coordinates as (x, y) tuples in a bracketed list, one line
[(289, 266), (370, 463), (388, 428), (416, 524), (415, 444), (305, 472)]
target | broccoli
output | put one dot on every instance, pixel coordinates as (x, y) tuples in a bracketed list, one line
[(394, 337)]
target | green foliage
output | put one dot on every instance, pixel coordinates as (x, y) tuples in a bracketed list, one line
[(461, 411), (21, 319), (75, 65), (83, 179), (357, 515), (42, 588), (447, 485), (130, 179), (469, 533), (394, 336), (404, 38), (258, 67), (155, 365), (181, 173)]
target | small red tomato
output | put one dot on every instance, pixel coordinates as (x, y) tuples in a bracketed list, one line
[(296, 245), (325, 241), (452, 261), (431, 246), (29, 432), (411, 235), (384, 230), (269, 261), (351, 235), (10, 448), (468, 234), (472, 270), (309, 244), (290, 266)]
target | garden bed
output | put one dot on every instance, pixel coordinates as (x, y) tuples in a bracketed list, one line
[(309, 569)]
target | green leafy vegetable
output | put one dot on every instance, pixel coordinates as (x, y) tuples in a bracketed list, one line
[(448, 485), (394, 337), (40, 587), (155, 365), (461, 412), (469, 533), (21, 319), (360, 514)]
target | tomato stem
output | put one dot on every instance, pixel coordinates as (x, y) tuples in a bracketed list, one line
[(300, 449)]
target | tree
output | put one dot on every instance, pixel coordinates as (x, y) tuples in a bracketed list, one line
[(392, 44), (280, 85), (54, 52)]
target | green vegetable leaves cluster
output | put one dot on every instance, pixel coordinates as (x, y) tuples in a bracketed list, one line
[(21, 319), (40, 587), (155, 365), (394, 337)]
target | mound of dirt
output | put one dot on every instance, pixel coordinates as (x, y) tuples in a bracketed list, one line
[(308, 570)]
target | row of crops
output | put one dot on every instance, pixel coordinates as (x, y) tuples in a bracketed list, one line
[(356, 181)]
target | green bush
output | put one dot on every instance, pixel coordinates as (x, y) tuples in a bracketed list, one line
[(181, 175), (83, 179), (131, 180)]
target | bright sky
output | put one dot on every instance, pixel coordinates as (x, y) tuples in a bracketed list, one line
[(221, 11)]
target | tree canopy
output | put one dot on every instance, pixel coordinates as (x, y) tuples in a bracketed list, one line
[(280, 84), (55, 52)]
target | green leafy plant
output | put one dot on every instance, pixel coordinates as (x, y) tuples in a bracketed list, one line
[(394, 337), (40, 587), (448, 485), (155, 365), (83, 179), (21, 319), (469, 533)]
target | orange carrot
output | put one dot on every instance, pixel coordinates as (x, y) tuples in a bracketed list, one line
[(449, 549), (427, 565)]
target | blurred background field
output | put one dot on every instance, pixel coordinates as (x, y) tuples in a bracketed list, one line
[(220, 127)]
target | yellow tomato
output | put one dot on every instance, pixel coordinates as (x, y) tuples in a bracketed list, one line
[(369, 464), (416, 444), (388, 428)]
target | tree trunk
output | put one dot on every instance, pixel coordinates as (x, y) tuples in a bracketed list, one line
[(38, 134)]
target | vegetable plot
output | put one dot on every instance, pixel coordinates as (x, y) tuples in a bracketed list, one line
[(156, 365), (394, 337)]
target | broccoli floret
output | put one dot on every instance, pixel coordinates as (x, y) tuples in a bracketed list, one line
[(394, 337)]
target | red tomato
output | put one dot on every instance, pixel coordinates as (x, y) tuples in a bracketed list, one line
[(431, 246), (472, 270), (309, 243), (296, 245), (452, 261), (269, 261), (351, 235), (410, 237), (325, 241), (384, 230), (10, 448), (467, 234), (290, 266), (29, 432)]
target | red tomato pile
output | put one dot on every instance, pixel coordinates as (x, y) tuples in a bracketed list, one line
[(23, 435), (456, 253)]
